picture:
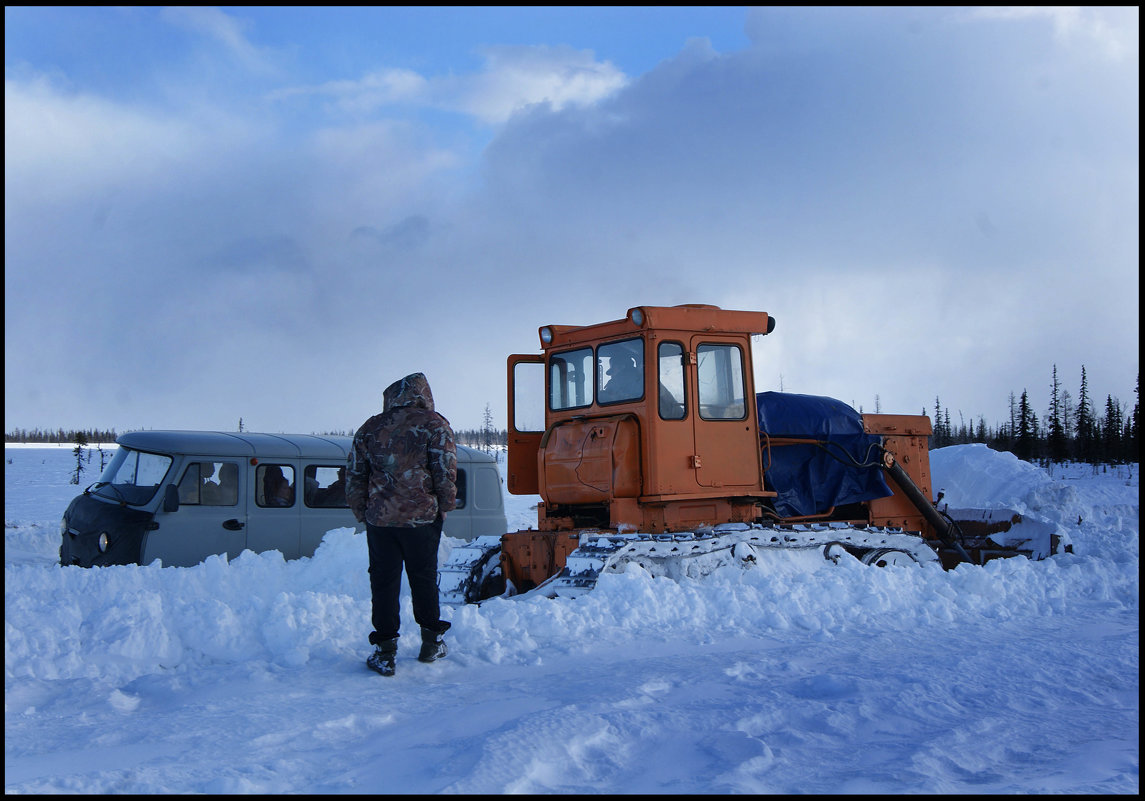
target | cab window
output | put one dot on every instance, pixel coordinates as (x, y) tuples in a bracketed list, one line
[(621, 373), (721, 387), (570, 379), (671, 366)]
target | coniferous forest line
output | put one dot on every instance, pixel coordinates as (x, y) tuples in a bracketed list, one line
[(1069, 430), (1079, 428)]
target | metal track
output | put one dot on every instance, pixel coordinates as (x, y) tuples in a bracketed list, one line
[(695, 554), (462, 577), (683, 555)]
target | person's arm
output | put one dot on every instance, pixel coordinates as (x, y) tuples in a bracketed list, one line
[(358, 478), (442, 453)]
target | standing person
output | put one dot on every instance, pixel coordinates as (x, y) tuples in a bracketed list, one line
[(400, 481)]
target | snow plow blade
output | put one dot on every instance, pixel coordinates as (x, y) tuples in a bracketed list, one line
[(979, 535), (987, 534)]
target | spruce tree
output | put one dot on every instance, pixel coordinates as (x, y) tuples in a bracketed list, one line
[(1085, 422), (1057, 438), (1111, 431), (1011, 431), (81, 443), (1024, 447), (939, 439), (487, 430), (1133, 442)]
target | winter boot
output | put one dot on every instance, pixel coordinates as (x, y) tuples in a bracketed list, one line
[(382, 659), (432, 644)]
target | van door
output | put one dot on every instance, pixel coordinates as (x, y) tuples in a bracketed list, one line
[(211, 518), (274, 518), (459, 522), (488, 507), (324, 505)]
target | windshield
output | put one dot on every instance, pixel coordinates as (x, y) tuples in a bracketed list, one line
[(132, 476)]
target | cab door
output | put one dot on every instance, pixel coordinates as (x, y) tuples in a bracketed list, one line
[(526, 381), (211, 518), (726, 433)]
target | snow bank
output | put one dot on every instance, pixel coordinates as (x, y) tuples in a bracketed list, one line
[(117, 623), (114, 624), (796, 675), (1095, 509), (975, 476)]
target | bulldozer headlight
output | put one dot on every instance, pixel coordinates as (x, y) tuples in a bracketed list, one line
[(636, 316), (546, 335), (103, 542)]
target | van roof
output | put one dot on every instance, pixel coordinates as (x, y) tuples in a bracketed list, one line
[(264, 446)]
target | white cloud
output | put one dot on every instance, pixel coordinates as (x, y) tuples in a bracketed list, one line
[(222, 28), (69, 143), (514, 77), (517, 77), (1114, 32), (363, 97), (885, 197)]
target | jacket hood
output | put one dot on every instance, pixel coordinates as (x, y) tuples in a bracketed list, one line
[(413, 390)]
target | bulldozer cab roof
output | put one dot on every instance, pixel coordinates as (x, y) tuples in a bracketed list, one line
[(689, 317)]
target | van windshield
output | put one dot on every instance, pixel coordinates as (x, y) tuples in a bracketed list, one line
[(132, 477)]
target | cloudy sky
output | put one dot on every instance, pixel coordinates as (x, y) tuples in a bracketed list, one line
[(273, 213)]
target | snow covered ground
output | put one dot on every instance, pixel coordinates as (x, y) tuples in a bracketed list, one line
[(795, 676)]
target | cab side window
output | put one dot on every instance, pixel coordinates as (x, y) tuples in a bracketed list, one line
[(721, 383), (274, 485), (189, 485), (210, 484), (671, 381)]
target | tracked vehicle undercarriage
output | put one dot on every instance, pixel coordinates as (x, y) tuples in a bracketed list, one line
[(652, 450)]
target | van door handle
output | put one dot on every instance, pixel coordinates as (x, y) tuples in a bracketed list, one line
[(233, 525)]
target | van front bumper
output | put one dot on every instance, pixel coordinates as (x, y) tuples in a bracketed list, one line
[(124, 529)]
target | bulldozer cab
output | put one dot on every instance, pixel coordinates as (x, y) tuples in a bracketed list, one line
[(646, 422)]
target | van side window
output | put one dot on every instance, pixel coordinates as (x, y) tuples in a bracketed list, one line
[(223, 488), (487, 488), (325, 486), (274, 485)]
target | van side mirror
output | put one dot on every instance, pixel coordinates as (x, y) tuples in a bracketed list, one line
[(171, 498)]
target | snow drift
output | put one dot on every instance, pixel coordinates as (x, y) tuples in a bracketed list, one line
[(794, 676)]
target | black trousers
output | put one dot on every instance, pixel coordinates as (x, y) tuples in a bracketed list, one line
[(416, 548)]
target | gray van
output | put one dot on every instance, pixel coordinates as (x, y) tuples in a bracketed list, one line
[(181, 496)]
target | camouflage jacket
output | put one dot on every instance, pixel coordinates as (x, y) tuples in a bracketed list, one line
[(402, 468)]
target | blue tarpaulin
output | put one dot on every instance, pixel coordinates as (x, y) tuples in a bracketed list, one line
[(811, 479)]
